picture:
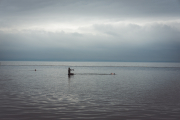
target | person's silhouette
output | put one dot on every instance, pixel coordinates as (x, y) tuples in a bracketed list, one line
[(69, 71)]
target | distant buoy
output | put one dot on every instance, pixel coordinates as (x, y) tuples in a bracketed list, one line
[(35, 69)]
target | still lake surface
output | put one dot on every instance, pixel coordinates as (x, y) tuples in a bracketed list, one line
[(138, 91)]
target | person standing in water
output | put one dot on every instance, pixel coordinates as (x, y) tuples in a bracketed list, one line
[(69, 71)]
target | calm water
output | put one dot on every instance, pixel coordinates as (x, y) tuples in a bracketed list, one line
[(138, 91)]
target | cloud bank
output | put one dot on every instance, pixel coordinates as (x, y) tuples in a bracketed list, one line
[(97, 30)]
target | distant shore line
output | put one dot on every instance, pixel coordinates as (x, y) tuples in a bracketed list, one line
[(98, 66)]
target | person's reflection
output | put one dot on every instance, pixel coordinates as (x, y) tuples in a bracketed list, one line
[(69, 77), (69, 80)]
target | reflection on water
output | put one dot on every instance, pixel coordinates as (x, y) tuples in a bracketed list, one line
[(49, 93)]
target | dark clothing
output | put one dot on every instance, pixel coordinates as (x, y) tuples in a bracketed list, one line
[(69, 71)]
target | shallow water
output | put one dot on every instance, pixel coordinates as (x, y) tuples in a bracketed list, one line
[(137, 91)]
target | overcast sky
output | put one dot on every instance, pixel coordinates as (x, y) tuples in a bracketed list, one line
[(90, 30)]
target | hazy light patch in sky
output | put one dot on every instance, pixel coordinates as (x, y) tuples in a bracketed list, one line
[(88, 26)]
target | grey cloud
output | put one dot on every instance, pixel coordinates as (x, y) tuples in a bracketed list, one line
[(100, 7), (136, 34), (30, 11), (155, 42), (110, 40)]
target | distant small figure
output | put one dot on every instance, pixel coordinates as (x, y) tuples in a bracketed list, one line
[(35, 70), (112, 73), (69, 71)]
